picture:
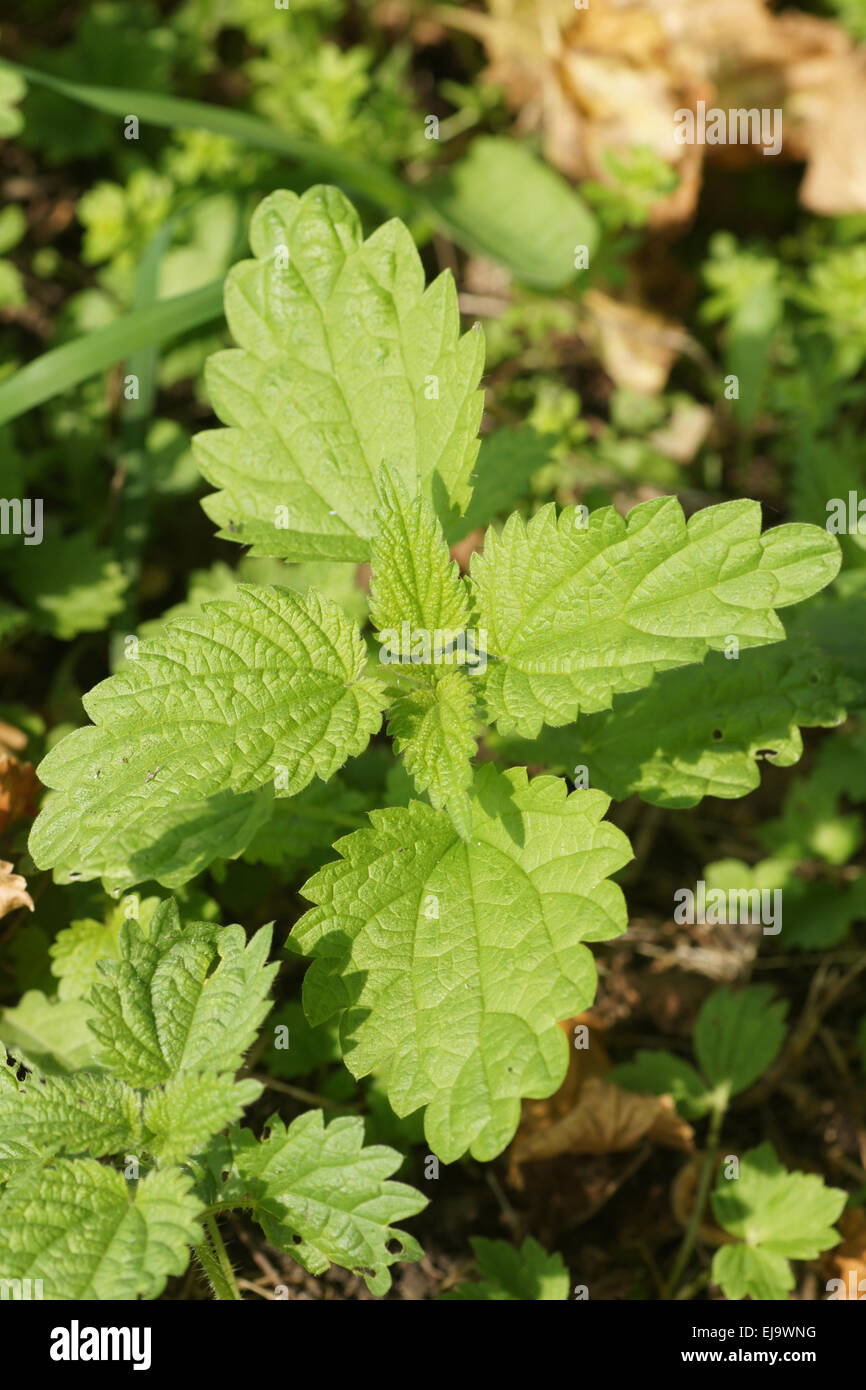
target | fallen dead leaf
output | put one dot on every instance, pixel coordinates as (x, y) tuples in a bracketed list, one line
[(19, 789), (684, 433), (12, 740), (826, 107), (609, 77), (606, 1119), (13, 890), (848, 1261), (591, 1115), (636, 347)]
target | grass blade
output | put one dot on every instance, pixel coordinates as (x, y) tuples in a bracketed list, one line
[(370, 180), (62, 367)]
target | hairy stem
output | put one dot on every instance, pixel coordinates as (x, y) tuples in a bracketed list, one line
[(215, 1262)]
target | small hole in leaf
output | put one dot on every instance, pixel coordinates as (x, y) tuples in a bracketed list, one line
[(717, 734), (296, 1240), (394, 1247)]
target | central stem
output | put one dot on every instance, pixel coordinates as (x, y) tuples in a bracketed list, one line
[(720, 1105), (216, 1263)]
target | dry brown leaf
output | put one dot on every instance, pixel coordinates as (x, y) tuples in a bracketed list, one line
[(584, 1063), (12, 740), (610, 77), (636, 347), (827, 106), (19, 789), (684, 433), (13, 890), (669, 1128), (848, 1261), (606, 1119), (591, 1115)]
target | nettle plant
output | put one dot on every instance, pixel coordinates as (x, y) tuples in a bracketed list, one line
[(449, 937), (173, 1015)]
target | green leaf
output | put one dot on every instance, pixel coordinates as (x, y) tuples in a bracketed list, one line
[(13, 292), (9, 1074), (820, 915), (193, 832), (323, 1196), (75, 954), (82, 1114), (737, 1036), (451, 963), (87, 1234), (181, 999), (662, 1073), (413, 580), (346, 362), (700, 730), (420, 605), (182, 1115), (521, 1275), (77, 950), (69, 584), (634, 182), (49, 1035), (577, 613), (813, 824), (435, 729), (501, 196), (779, 1215), (12, 89), (224, 703), (742, 1270), (733, 874), (817, 915)]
